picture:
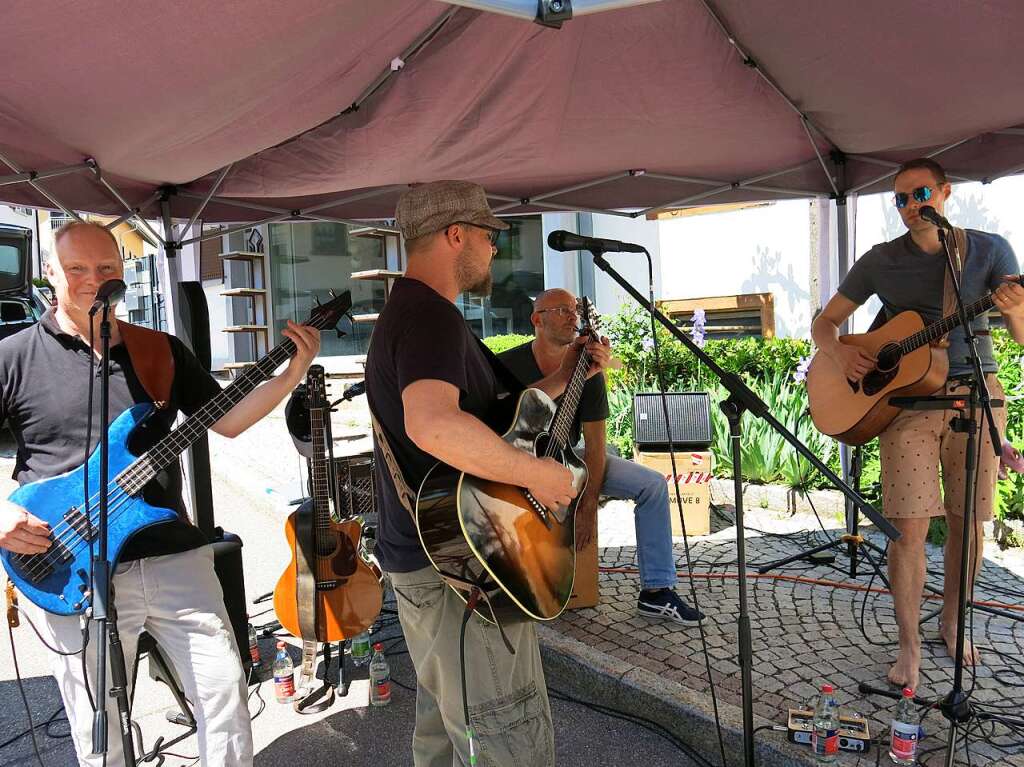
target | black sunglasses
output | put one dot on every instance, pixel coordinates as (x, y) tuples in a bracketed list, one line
[(492, 234), (921, 194)]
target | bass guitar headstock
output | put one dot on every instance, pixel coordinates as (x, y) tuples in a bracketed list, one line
[(326, 316)]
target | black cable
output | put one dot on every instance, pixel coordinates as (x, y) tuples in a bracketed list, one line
[(466, 615), (648, 724), (24, 697), (659, 374)]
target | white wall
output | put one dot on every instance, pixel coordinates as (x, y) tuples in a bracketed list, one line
[(764, 249), (755, 250)]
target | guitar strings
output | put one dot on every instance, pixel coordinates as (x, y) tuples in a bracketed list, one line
[(164, 450)]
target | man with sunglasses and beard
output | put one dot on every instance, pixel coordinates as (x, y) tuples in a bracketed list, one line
[(908, 273), (435, 395)]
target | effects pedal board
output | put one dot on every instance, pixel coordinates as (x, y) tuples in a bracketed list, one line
[(853, 730)]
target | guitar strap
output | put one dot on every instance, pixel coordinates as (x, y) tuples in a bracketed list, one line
[(960, 254), (152, 361), (405, 494)]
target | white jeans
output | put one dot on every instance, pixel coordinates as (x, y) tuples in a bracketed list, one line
[(178, 600)]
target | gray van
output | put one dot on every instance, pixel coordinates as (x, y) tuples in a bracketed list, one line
[(21, 304)]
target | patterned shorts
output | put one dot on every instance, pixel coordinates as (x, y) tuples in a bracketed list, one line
[(914, 446)]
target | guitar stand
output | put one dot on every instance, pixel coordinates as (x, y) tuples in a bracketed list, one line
[(322, 698), (856, 544)]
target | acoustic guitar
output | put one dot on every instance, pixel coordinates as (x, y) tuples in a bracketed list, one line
[(908, 366), (328, 592), (499, 538)]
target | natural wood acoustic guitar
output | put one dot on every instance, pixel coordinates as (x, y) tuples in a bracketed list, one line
[(909, 365), (328, 592)]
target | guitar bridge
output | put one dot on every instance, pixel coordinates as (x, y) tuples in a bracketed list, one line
[(538, 507)]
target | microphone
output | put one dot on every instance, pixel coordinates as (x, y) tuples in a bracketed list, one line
[(563, 240), (110, 293), (932, 216)]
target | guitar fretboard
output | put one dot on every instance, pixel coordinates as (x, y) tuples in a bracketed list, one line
[(148, 465), (939, 328)]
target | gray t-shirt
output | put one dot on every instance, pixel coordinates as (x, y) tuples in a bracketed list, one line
[(906, 278)]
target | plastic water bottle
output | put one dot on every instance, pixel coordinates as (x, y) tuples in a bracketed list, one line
[(905, 731), (284, 675), (254, 646), (380, 677), (361, 649), (825, 735)]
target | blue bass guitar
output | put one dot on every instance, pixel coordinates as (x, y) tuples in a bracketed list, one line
[(58, 580)]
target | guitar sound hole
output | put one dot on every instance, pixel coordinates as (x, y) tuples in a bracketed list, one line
[(889, 357)]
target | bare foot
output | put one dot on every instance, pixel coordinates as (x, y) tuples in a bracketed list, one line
[(904, 672), (971, 656)]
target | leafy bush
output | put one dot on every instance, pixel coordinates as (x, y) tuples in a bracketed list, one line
[(499, 344), (769, 366)]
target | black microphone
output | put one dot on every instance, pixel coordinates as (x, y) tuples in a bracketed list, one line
[(932, 216), (563, 240), (110, 293)]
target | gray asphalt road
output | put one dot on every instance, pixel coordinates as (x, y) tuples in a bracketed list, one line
[(254, 476)]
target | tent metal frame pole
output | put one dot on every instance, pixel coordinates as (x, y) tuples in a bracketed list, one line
[(361, 225), (891, 173), (527, 9), (411, 50), (138, 211), (1008, 132), (206, 200), (38, 187), (354, 198), (237, 203), (39, 175), (233, 229), (893, 164), (751, 62), (157, 239), (814, 145)]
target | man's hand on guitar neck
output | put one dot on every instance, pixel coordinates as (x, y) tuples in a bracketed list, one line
[(600, 352), (22, 532)]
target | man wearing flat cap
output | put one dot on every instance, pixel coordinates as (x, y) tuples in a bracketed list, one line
[(435, 396)]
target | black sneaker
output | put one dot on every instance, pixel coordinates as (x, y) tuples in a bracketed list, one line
[(667, 605)]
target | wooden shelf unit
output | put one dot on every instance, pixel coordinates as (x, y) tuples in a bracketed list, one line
[(256, 295)]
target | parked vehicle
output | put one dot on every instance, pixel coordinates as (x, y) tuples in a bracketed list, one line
[(21, 304)]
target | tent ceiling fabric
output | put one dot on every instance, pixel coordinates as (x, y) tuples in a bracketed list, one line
[(170, 93)]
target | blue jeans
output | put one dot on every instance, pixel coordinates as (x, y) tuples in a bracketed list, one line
[(631, 481)]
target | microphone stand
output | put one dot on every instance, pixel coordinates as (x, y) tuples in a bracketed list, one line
[(741, 399), (956, 707), (103, 612)]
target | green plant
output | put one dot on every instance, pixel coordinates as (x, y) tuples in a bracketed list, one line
[(499, 344)]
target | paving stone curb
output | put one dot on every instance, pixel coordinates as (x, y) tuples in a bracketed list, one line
[(580, 671)]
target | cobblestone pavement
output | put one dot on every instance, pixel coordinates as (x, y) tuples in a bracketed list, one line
[(805, 634)]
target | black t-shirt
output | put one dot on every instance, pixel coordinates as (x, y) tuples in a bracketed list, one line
[(44, 380), (420, 335), (593, 400)]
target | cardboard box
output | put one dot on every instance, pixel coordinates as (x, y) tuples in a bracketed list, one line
[(585, 591), (694, 471)]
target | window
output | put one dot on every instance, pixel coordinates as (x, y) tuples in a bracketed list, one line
[(518, 278), (750, 315), (307, 260)]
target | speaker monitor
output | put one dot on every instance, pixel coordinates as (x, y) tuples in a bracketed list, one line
[(689, 416)]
